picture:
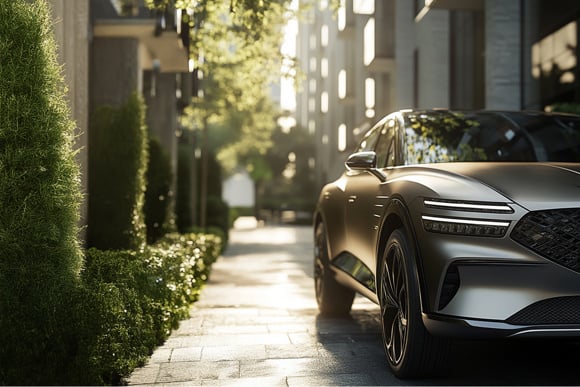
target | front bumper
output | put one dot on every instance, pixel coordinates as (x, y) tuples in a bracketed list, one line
[(445, 326)]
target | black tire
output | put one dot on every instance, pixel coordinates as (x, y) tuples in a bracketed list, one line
[(411, 351), (333, 298)]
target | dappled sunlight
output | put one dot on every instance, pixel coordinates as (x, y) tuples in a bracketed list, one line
[(248, 232)]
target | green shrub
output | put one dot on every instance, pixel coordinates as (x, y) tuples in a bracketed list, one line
[(40, 256), (184, 198), (117, 164), (218, 215), (131, 300), (565, 107), (159, 203)]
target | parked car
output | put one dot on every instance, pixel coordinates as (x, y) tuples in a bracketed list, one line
[(458, 225)]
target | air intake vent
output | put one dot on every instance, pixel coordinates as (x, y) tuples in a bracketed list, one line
[(450, 286), (554, 234), (559, 310)]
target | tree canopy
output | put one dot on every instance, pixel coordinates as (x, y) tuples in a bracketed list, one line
[(236, 47)]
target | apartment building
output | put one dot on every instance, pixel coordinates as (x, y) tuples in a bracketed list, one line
[(370, 57)]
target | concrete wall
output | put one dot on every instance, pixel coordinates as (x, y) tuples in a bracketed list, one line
[(159, 92), (71, 30), (115, 72), (503, 55), (433, 46)]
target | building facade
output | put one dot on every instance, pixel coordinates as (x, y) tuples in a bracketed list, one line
[(110, 49), (370, 57)]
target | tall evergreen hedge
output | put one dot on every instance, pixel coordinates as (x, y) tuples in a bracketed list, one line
[(159, 196), (40, 255), (117, 166)]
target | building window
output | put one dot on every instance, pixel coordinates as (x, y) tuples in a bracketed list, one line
[(554, 63), (369, 42), (324, 67), (311, 127), (324, 102), (363, 7), (341, 137), (311, 105), (342, 84), (324, 35), (312, 86), (370, 97), (312, 65), (312, 42), (341, 16)]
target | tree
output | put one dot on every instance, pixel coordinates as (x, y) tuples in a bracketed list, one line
[(238, 65)]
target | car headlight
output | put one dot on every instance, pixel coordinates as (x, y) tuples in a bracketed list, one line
[(466, 226), (462, 226), (470, 206)]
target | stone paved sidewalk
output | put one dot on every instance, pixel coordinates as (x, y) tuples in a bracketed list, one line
[(256, 324)]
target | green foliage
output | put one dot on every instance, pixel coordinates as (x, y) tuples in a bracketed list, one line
[(434, 138), (131, 300), (118, 162), (184, 199), (238, 74), (40, 256), (159, 202), (293, 184), (563, 107), (218, 215)]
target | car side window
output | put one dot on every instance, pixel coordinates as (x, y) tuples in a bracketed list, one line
[(369, 140), (386, 156)]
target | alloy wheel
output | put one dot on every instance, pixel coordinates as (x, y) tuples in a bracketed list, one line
[(394, 304)]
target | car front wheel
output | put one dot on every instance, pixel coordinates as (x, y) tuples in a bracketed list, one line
[(333, 298), (410, 350)]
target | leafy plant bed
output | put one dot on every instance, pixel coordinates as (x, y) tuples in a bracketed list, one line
[(132, 300)]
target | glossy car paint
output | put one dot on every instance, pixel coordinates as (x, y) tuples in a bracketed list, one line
[(498, 276)]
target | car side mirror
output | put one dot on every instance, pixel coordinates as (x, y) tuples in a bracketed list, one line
[(361, 161)]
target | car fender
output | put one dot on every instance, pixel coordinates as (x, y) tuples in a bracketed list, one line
[(332, 215), (397, 216)]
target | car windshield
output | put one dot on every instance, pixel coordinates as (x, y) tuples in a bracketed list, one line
[(490, 136)]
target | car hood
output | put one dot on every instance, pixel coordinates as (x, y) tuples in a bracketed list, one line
[(532, 185)]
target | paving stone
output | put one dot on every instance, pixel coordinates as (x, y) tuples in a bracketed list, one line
[(276, 381), (195, 372), (332, 380), (290, 351), (234, 352), (257, 323), (245, 339), (145, 375), (187, 354)]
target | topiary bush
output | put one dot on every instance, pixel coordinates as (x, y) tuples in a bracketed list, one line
[(131, 300), (184, 199), (40, 254), (117, 167), (159, 202)]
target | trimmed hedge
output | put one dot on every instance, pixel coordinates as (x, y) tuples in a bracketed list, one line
[(40, 254), (62, 322), (117, 166), (159, 198), (131, 300), (184, 197)]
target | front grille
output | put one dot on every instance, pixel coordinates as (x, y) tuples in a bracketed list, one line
[(559, 310), (554, 234)]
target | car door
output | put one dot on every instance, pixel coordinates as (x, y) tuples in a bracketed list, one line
[(365, 200)]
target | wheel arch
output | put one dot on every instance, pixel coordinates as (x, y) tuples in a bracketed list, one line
[(397, 216)]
